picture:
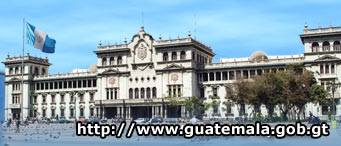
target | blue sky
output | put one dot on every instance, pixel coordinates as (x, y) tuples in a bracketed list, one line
[(232, 28)]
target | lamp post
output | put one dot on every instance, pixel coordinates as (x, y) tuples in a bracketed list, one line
[(148, 100), (333, 86)]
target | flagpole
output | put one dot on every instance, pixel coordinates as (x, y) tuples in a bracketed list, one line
[(22, 72)]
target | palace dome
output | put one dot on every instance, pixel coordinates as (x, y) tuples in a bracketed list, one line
[(258, 56), (93, 68)]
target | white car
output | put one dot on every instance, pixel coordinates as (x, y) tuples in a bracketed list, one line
[(140, 120)]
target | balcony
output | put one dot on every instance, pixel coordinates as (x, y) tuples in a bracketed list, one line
[(14, 106)]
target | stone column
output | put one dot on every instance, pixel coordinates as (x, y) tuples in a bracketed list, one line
[(183, 111), (118, 111), (153, 113), (161, 111), (165, 111), (248, 74), (128, 112)]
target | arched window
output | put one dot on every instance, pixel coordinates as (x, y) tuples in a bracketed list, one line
[(43, 72), (111, 61), (337, 46), (136, 93), (315, 47), (104, 61), (10, 70), (119, 60), (148, 92), (154, 92), (130, 93), (174, 56), (36, 71), (325, 46), (16, 70), (142, 92), (183, 55), (165, 56)]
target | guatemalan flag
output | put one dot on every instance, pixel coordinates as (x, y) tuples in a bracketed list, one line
[(39, 39)]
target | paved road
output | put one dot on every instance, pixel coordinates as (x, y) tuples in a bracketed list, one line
[(64, 135)]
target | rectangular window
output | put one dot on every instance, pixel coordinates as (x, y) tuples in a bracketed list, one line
[(179, 91), (37, 86), (91, 97), (52, 112), (81, 113), (51, 85), (89, 83), (108, 94), (260, 72), (84, 84), (224, 75), (205, 77), (46, 86), (74, 84), (44, 99), (332, 70), (252, 73), (211, 76), (327, 69), (111, 94), (69, 84), (218, 76), (321, 69), (71, 113), (53, 99), (245, 74), (62, 98), (60, 85), (79, 84), (94, 83), (231, 75), (215, 92), (55, 85), (115, 93), (65, 85), (62, 112), (81, 98), (44, 113), (238, 74), (91, 112)]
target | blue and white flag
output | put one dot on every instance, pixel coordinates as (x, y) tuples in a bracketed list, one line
[(39, 39)]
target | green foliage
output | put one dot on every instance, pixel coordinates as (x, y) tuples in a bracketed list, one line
[(290, 90), (195, 106)]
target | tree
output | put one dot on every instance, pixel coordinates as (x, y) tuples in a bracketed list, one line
[(268, 90), (194, 106), (238, 93), (174, 102)]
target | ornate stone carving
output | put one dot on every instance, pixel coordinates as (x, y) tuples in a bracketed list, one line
[(142, 52), (174, 77), (112, 80)]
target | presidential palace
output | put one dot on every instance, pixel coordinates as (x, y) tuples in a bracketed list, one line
[(133, 79)]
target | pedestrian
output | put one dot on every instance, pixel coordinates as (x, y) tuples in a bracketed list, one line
[(18, 126)]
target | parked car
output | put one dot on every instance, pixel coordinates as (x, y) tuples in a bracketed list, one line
[(64, 121), (117, 121), (141, 120), (172, 120), (83, 121), (155, 120), (94, 121), (314, 120), (103, 121)]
